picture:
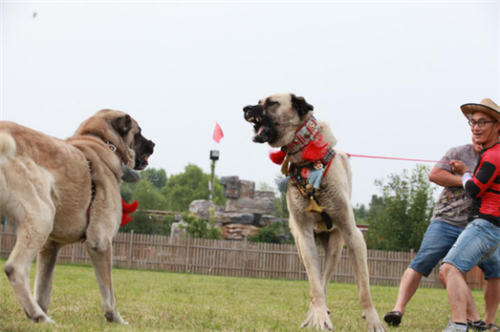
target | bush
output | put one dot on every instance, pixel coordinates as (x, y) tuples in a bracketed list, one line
[(274, 233), (199, 228)]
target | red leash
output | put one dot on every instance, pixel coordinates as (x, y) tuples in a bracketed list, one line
[(391, 158)]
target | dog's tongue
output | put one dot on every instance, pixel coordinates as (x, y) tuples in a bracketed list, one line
[(260, 130)]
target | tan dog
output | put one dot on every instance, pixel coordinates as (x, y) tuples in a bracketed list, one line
[(59, 192), (276, 120)]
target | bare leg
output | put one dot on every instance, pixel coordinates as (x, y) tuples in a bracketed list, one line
[(456, 287), (472, 312), (491, 299), (407, 288)]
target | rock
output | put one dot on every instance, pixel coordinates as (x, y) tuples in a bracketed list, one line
[(231, 186), (268, 219), (177, 232), (201, 209), (247, 189), (247, 205), (238, 231), (225, 218), (235, 188)]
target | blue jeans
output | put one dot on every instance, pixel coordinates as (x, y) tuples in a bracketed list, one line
[(438, 240), (479, 241)]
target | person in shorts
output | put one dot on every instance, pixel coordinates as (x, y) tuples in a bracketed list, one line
[(481, 238), (447, 223)]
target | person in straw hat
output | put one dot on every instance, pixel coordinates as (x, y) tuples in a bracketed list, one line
[(448, 220), (481, 237)]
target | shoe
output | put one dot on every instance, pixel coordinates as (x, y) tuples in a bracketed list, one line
[(497, 329), (453, 327), (481, 326), (393, 318)]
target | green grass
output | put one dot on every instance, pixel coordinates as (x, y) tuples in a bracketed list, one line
[(157, 301)]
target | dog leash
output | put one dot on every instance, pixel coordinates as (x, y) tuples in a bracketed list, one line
[(394, 158)]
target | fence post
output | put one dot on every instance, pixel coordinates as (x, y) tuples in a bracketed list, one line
[(73, 253), (1, 236), (130, 249), (243, 273), (187, 254)]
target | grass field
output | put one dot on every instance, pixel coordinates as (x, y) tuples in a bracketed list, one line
[(157, 301)]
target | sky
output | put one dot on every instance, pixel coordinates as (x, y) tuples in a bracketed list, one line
[(389, 77)]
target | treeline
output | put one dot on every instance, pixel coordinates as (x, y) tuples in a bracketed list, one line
[(398, 216), (156, 191)]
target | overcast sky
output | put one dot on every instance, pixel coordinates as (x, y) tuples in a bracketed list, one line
[(388, 76)]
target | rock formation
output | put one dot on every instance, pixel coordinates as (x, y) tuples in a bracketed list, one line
[(245, 212)]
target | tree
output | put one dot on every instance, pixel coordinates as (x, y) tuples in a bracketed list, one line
[(158, 177), (360, 214), (398, 219), (148, 196), (149, 224), (183, 188)]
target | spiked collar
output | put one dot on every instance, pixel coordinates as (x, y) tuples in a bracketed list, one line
[(306, 133)]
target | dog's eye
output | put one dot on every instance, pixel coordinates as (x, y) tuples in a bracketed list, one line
[(272, 103)]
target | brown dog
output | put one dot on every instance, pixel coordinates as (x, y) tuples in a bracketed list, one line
[(59, 192), (279, 120)]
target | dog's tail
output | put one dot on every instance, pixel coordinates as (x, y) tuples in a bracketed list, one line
[(7, 147)]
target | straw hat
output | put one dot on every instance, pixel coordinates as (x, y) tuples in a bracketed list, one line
[(486, 106)]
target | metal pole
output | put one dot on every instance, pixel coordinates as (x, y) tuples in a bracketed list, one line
[(212, 187)]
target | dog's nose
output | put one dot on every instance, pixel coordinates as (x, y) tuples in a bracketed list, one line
[(247, 108), (152, 144)]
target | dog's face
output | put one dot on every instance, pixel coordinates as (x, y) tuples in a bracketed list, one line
[(277, 117), (123, 131)]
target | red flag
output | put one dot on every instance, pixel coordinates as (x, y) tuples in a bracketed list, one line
[(218, 134)]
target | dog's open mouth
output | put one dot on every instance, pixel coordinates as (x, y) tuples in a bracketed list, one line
[(258, 124), (263, 132)]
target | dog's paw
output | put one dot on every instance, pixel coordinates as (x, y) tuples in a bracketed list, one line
[(115, 318), (373, 322), (318, 319), (44, 320)]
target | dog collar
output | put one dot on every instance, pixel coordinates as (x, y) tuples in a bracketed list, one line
[(109, 144), (306, 133)]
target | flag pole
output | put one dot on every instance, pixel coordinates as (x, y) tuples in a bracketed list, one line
[(214, 156)]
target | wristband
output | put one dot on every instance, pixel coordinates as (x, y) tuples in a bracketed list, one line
[(466, 177)]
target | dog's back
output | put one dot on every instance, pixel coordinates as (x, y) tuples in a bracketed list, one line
[(36, 171)]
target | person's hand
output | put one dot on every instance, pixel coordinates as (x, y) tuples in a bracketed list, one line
[(458, 167)]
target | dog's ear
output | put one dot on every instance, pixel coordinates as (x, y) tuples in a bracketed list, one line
[(122, 124), (301, 106)]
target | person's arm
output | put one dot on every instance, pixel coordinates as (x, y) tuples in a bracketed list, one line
[(475, 185), (444, 178), (482, 180)]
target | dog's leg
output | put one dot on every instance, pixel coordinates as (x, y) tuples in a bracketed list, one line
[(45, 264), (358, 256), (333, 243), (29, 241), (317, 316), (101, 255)]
